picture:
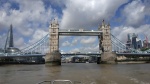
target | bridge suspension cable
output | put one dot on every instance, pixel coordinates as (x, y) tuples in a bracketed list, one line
[(40, 47), (117, 45)]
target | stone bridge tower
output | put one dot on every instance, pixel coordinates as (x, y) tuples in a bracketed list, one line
[(107, 56), (54, 37), (54, 56)]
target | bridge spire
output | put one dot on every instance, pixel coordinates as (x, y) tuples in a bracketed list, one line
[(103, 21)]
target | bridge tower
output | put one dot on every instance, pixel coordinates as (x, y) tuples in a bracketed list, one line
[(54, 37), (107, 56), (54, 56)]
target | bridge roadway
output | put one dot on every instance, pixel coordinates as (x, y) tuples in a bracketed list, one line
[(88, 54), (70, 54), (117, 54), (134, 54), (22, 55), (79, 32)]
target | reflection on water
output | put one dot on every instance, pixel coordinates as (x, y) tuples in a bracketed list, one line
[(87, 73)]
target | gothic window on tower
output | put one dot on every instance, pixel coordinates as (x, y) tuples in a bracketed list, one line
[(54, 31), (108, 48), (52, 25), (106, 37)]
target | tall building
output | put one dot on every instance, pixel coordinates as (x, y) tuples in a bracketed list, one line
[(139, 44), (148, 45), (9, 39), (128, 44), (9, 45), (129, 37), (134, 43), (145, 44)]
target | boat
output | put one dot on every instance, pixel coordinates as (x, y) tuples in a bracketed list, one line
[(60, 82)]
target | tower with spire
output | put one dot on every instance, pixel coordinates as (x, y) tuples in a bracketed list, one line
[(9, 45), (107, 56), (106, 37), (54, 56), (11, 41)]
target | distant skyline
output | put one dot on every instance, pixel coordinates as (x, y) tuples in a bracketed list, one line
[(141, 37), (31, 19)]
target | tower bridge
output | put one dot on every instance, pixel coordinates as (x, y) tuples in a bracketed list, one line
[(103, 34), (109, 46)]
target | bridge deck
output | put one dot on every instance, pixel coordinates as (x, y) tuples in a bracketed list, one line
[(134, 54), (25, 55), (80, 54)]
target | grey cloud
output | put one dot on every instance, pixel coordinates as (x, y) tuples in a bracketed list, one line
[(86, 14), (135, 13)]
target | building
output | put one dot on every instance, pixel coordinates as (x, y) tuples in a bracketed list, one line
[(139, 44), (145, 45), (134, 43), (148, 45), (129, 44)]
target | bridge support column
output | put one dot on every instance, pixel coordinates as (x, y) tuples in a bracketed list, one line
[(107, 56), (54, 56)]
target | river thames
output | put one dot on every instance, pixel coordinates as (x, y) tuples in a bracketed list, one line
[(87, 73)]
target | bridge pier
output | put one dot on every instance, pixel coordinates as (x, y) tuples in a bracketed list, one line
[(107, 56), (53, 58)]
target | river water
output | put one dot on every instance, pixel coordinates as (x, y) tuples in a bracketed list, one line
[(87, 73)]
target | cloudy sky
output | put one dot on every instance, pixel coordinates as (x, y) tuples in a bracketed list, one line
[(31, 19)]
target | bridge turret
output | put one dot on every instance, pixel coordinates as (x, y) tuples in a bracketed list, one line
[(103, 23), (54, 23)]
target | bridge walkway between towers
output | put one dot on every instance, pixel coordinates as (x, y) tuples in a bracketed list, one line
[(80, 32)]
